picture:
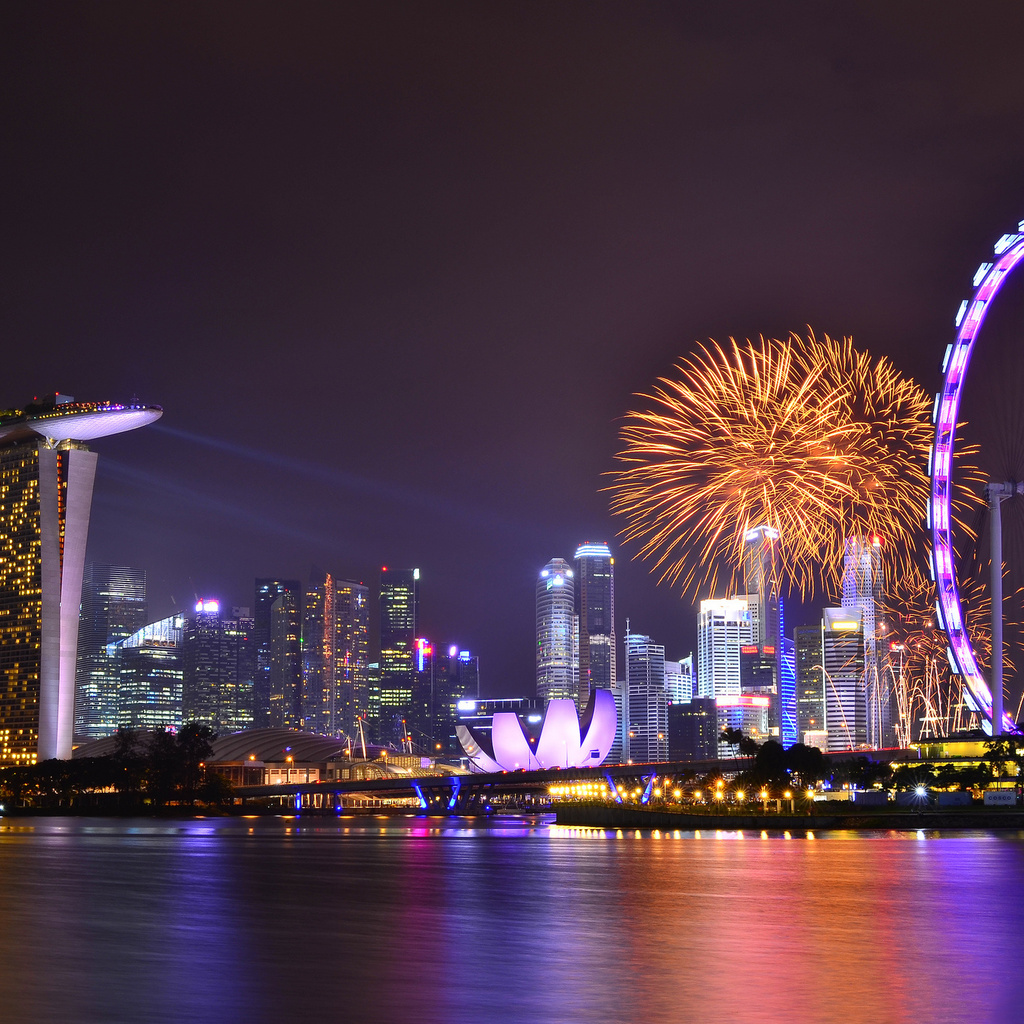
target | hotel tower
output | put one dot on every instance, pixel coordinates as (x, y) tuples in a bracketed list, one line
[(46, 482)]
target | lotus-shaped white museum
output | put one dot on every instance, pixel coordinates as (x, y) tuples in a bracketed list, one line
[(564, 740)]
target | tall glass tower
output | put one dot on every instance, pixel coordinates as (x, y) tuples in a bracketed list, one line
[(557, 633), (842, 655), (46, 483), (648, 699), (761, 580), (335, 655), (862, 589), (268, 703), (113, 608), (595, 605), (218, 666), (399, 611)]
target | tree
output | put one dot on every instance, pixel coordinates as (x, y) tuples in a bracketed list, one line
[(195, 745)]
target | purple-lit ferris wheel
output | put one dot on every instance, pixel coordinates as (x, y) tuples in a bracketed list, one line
[(988, 279)]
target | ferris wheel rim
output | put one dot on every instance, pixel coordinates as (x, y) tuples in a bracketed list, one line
[(989, 278)]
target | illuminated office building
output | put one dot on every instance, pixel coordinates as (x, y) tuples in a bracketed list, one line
[(557, 633), (842, 651), (456, 678), (271, 691), (679, 680), (399, 612), (352, 661), (693, 730), (862, 588), (150, 671), (647, 700), (219, 664), (724, 627), (46, 483), (335, 655), (113, 608), (761, 582), (595, 607), (810, 681)]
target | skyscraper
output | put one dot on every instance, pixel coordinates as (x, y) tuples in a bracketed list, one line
[(679, 680), (761, 581), (352, 655), (46, 483), (557, 633), (219, 663), (648, 699), (335, 654), (595, 601), (399, 612), (724, 627), (862, 588), (810, 684), (150, 671), (843, 662), (285, 677), (113, 608), (268, 706), (456, 677)]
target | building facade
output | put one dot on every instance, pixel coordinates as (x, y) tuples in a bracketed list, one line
[(399, 613), (810, 681), (150, 670), (595, 608), (269, 704), (679, 680), (219, 665), (693, 730), (648, 699), (842, 651), (863, 589)]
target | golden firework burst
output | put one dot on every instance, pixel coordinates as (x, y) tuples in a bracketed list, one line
[(811, 437)]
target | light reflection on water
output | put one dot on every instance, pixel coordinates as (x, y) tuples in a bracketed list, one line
[(429, 919)]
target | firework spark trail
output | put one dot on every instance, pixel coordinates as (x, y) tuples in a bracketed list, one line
[(809, 436)]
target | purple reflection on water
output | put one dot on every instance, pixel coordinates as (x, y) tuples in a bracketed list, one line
[(439, 920)]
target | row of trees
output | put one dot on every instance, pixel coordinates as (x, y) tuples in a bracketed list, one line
[(802, 766), (146, 770)]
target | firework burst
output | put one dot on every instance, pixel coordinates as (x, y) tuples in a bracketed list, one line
[(808, 436)]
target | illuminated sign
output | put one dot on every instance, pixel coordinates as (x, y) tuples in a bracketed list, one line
[(845, 625), (748, 649), (212, 607), (467, 705), (742, 700)]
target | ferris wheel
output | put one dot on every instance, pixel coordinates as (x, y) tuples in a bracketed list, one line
[(989, 278)]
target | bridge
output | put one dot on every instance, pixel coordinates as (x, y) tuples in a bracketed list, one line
[(480, 793)]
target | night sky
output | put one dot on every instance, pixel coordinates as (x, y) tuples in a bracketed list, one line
[(395, 271)]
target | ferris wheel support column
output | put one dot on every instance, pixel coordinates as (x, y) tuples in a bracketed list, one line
[(996, 494)]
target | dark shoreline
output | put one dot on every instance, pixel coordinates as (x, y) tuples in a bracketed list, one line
[(605, 816)]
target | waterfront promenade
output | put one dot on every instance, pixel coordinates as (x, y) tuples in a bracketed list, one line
[(896, 819)]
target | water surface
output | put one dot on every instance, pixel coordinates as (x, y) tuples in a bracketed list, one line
[(449, 920)]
